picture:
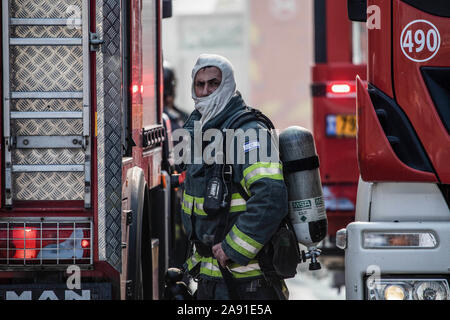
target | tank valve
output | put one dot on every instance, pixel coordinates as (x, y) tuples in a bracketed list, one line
[(313, 254)]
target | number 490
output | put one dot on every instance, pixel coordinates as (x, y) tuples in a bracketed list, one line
[(420, 40)]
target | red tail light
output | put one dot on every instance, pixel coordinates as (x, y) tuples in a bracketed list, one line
[(341, 89), (45, 243), (24, 242), (85, 243)]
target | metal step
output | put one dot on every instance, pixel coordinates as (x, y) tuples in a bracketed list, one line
[(48, 168), (46, 115), (49, 142), (44, 22), (45, 41), (46, 95)]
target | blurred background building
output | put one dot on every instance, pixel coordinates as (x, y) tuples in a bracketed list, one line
[(269, 42)]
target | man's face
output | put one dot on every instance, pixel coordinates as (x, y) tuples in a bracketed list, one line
[(206, 81)]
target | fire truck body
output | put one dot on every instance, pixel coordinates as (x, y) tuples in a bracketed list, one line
[(82, 148), (337, 47), (399, 246)]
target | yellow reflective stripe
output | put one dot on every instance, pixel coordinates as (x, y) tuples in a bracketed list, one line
[(242, 243), (250, 270), (187, 203), (237, 203), (193, 261), (188, 197), (259, 170), (210, 267), (198, 206)]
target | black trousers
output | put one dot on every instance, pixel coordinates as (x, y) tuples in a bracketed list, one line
[(257, 289)]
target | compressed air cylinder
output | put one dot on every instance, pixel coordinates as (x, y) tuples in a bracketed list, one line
[(301, 174)]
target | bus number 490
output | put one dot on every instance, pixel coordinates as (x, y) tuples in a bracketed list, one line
[(420, 40)]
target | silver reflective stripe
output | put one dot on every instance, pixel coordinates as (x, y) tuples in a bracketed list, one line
[(187, 204), (209, 266), (262, 171), (194, 259), (247, 268), (243, 244), (238, 202), (199, 205)]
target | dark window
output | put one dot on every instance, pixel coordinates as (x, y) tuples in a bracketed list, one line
[(438, 84), (437, 7), (399, 131)]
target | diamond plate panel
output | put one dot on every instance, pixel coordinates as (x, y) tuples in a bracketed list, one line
[(45, 32), (48, 186), (109, 137), (43, 8), (47, 156), (47, 127), (42, 105), (46, 68), (49, 68)]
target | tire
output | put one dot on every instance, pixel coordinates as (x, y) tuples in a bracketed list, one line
[(139, 261)]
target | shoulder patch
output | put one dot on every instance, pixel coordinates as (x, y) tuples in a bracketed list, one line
[(251, 145)]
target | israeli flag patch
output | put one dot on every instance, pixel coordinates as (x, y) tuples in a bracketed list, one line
[(251, 145)]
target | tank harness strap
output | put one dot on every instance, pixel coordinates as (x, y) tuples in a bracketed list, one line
[(305, 164)]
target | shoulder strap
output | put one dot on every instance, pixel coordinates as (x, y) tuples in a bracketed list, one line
[(247, 115)]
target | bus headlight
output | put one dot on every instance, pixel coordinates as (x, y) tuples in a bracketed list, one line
[(407, 289)]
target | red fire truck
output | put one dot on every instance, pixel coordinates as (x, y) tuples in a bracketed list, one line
[(339, 53), (399, 246), (84, 202)]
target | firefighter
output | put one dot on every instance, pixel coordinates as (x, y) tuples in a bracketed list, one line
[(227, 267), (177, 116)]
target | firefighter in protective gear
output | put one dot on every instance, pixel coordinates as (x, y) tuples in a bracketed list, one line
[(253, 219), (176, 115)]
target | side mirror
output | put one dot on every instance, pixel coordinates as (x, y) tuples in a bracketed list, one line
[(357, 10), (167, 9)]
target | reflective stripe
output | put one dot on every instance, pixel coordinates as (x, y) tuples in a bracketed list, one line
[(247, 268), (237, 203), (261, 170), (242, 243), (187, 204), (198, 206), (210, 267), (193, 261)]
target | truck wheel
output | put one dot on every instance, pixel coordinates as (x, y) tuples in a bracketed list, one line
[(146, 252), (139, 262)]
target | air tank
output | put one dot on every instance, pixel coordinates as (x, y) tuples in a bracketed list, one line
[(306, 205)]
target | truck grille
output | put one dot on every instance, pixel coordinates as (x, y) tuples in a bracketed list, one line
[(28, 243)]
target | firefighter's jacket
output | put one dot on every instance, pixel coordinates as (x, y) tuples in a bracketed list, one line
[(251, 223)]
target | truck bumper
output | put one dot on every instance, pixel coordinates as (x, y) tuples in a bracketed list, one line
[(361, 262)]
